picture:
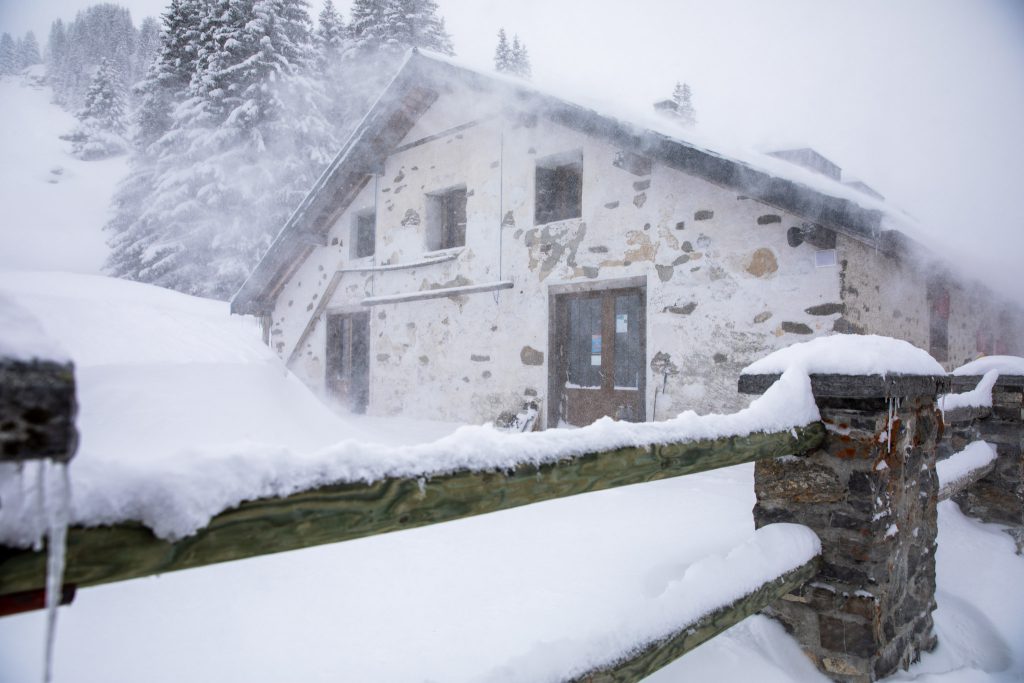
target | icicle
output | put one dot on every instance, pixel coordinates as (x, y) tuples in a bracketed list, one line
[(57, 494), (40, 503)]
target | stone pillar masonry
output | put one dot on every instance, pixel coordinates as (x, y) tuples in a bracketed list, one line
[(870, 493), (999, 496)]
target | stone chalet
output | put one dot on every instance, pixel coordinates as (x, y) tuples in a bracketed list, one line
[(478, 245)]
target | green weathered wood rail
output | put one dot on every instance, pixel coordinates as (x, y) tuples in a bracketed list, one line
[(662, 652), (353, 510)]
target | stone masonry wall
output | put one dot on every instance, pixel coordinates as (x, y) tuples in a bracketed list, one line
[(999, 496), (871, 495)]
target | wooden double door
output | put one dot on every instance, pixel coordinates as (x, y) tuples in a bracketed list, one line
[(600, 353), (348, 359)]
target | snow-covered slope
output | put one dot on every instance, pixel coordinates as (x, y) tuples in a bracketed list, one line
[(53, 205)]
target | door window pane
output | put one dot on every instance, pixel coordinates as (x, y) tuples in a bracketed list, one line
[(627, 341), (585, 342)]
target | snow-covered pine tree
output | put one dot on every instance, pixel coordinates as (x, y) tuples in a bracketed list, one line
[(100, 133), (330, 37), (393, 26), (519, 59), (104, 103), (168, 75), (683, 97), (56, 45), (367, 22), (502, 53), (147, 46), (28, 51), (241, 151), (415, 23), (8, 55), (97, 32)]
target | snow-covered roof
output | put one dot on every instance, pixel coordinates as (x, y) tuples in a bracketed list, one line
[(418, 83)]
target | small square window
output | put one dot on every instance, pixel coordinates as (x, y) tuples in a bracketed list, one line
[(364, 234), (824, 258), (446, 219), (559, 187)]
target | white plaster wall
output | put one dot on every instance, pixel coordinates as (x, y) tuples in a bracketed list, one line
[(721, 291), (301, 294), (462, 357)]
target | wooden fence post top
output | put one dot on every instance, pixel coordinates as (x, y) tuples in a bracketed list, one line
[(37, 410)]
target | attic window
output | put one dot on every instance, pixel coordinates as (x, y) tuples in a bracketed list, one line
[(446, 219), (559, 187), (364, 234)]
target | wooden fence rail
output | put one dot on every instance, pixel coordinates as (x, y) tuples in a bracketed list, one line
[(663, 652), (347, 511)]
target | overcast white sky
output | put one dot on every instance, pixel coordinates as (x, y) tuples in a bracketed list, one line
[(922, 99)]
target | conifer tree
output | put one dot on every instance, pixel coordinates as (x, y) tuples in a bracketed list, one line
[(519, 60), (28, 51), (331, 35), (56, 45), (502, 53), (8, 55), (683, 97), (242, 148), (102, 120), (98, 32), (147, 46), (104, 103)]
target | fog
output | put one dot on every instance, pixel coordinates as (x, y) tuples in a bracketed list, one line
[(920, 99)]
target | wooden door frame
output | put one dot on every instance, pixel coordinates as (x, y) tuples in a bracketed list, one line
[(331, 319), (556, 293)]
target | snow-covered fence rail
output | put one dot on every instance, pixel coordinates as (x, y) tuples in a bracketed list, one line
[(346, 511), (776, 561), (965, 468)]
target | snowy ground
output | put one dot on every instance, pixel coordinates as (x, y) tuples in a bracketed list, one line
[(481, 599), (53, 204)]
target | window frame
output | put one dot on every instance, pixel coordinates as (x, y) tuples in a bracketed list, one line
[(358, 234), (558, 187), (444, 209)]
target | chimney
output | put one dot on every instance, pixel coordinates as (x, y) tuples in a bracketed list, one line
[(809, 159)]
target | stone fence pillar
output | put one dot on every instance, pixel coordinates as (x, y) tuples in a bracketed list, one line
[(870, 492), (999, 496)]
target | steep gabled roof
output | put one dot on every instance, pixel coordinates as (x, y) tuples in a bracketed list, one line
[(422, 78)]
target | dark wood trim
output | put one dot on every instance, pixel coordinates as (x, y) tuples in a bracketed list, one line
[(437, 136)]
